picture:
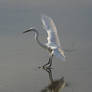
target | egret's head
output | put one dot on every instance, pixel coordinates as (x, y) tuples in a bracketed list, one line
[(26, 31), (31, 29)]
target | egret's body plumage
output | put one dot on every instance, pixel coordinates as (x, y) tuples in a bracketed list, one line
[(53, 42), (53, 39)]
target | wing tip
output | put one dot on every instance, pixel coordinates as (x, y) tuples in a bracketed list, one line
[(45, 17)]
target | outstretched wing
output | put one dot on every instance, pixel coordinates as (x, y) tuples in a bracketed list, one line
[(59, 53), (49, 26)]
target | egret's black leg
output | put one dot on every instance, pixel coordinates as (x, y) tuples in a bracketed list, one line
[(49, 62), (47, 65), (50, 73)]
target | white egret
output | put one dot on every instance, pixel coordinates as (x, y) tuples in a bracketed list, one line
[(53, 43)]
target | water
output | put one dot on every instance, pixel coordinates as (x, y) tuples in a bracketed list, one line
[(20, 56)]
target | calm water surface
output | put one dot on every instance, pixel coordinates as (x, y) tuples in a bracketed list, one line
[(20, 56)]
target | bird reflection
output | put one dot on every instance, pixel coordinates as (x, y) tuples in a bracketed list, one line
[(55, 85)]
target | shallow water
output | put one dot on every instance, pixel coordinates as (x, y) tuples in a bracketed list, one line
[(19, 73), (21, 55)]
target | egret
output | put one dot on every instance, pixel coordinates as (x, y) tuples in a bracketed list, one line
[(53, 42)]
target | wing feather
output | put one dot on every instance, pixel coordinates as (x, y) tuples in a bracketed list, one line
[(49, 26)]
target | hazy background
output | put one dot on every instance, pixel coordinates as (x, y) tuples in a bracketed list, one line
[(20, 55)]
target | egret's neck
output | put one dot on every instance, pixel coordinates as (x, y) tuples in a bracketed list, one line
[(37, 39)]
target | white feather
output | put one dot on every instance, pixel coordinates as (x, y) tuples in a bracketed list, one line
[(53, 39)]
